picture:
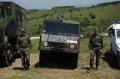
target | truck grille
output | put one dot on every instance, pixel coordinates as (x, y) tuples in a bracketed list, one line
[(57, 45)]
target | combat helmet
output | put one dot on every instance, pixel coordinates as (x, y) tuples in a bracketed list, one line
[(22, 29)]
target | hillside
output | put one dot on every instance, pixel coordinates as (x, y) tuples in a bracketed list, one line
[(101, 16), (109, 3)]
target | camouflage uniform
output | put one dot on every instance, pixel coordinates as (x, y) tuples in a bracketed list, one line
[(95, 47), (24, 45)]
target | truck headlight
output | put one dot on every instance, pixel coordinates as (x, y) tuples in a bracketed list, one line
[(72, 46), (45, 44)]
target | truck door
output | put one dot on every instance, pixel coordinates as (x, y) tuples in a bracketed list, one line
[(2, 17)]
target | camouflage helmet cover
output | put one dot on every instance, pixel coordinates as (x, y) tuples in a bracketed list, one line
[(23, 30)]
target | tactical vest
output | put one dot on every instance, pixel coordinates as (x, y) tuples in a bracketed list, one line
[(96, 41), (23, 41)]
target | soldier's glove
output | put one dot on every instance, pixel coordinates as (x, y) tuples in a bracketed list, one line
[(29, 49), (101, 53), (101, 50), (90, 50)]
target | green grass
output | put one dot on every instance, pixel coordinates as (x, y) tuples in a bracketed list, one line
[(35, 44)]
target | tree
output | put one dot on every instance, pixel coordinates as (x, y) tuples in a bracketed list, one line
[(92, 16)]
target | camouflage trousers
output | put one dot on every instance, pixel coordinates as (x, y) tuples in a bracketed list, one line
[(25, 57), (93, 53)]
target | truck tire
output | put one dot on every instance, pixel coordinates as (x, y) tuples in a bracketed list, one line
[(5, 59), (118, 58), (118, 62), (74, 61), (8, 57), (111, 49), (42, 58)]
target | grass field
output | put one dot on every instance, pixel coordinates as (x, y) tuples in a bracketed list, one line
[(106, 70)]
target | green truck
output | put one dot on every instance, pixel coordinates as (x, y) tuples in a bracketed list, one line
[(12, 18), (60, 37)]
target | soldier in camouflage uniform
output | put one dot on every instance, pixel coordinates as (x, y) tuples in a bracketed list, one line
[(95, 47), (24, 45)]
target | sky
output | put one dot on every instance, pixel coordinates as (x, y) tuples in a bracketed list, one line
[(47, 4)]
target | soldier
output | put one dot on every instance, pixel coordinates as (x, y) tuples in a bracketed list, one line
[(95, 47), (24, 46)]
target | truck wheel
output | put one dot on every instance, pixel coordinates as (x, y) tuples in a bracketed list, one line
[(42, 58), (8, 57), (118, 62), (111, 49), (74, 61), (118, 58), (6, 61)]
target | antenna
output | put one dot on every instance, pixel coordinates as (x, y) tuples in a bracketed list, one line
[(61, 18)]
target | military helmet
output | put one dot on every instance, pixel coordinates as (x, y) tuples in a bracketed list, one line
[(96, 30), (23, 30)]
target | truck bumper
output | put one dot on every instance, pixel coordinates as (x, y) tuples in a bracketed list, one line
[(56, 50)]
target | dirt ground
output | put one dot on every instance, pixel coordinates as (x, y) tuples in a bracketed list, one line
[(106, 70)]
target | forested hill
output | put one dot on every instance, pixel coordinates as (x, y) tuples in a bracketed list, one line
[(100, 15), (109, 3)]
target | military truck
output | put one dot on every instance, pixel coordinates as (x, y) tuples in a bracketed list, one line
[(60, 37), (12, 18)]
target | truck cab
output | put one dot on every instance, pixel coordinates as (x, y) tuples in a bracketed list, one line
[(60, 37), (114, 34)]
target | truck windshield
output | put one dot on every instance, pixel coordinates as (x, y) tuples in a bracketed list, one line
[(118, 33), (61, 28)]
